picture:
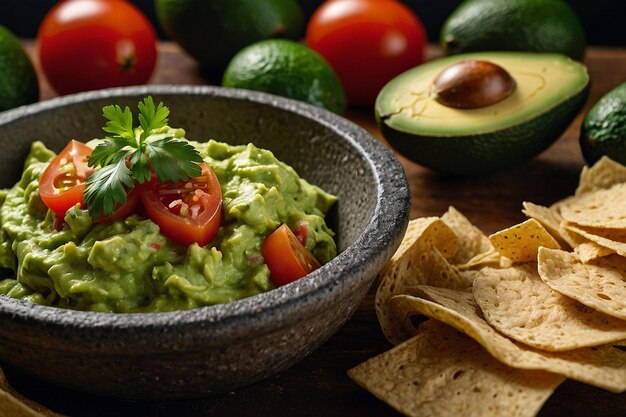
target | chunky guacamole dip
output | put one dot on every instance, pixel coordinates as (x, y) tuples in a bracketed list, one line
[(129, 265)]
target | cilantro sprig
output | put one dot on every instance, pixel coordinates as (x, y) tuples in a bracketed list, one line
[(130, 155)]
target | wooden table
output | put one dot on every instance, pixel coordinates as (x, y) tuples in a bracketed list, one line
[(319, 386)]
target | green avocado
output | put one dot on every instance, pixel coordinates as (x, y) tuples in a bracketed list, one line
[(289, 69), (129, 266), (19, 84), (550, 90), (514, 25), (604, 130), (212, 31)]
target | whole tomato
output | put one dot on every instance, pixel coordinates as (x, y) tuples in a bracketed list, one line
[(93, 44), (367, 42)]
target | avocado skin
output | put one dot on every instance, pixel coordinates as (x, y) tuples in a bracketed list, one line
[(19, 84), (514, 25), (604, 130), (289, 69), (212, 31), (490, 152)]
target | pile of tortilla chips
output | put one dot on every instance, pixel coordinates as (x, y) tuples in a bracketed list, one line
[(512, 315)]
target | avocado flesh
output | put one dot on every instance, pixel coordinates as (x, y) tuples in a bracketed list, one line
[(551, 90)]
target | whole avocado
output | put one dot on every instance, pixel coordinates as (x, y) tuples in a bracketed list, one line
[(514, 25), (604, 130), (18, 84), (212, 31), (289, 69)]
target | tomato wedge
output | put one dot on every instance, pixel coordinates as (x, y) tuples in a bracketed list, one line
[(187, 211), (62, 184), (286, 258)]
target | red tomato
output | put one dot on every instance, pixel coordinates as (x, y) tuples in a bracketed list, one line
[(62, 184), (286, 258), (367, 42), (93, 44), (188, 211)]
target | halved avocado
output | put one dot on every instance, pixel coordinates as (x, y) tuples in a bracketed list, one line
[(550, 91)]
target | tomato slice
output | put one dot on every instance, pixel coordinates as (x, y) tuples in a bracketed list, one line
[(187, 211), (62, 184), (286, 258)]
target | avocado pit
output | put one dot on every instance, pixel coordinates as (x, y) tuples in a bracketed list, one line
[(472, 84)]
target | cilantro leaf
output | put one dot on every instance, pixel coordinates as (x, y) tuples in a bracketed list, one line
[(125, 157), (120, 122), (173, 159), (140, 166), (106, 151), (108, 186), (151, 117)]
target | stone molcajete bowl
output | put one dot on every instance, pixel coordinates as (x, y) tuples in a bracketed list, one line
[(197, 352)]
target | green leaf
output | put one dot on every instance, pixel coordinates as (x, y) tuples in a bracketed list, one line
[(173, 159), (124, 158), (140, 166), (106, 187), (106, 151), (151, 117), (120, 122)]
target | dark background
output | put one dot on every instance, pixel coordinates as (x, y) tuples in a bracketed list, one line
[(604, 20)]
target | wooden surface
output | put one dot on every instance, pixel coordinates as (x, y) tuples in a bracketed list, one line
[(318, 386)]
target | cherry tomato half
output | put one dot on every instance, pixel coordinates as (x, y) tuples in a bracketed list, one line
[(367, 42), (62, 184), (286, 258), (188, 211), (93, 44)]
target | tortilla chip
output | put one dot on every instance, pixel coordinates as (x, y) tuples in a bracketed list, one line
[(521, 242), (604, 366), (600, 284), (613, 239), (472, 241), (419, 260), (516, 302), (430, 229), (490, 258), (585, 248), (13, 404), (441, 372), (550, 219), (602, 175), (600, 208), (588, 251)]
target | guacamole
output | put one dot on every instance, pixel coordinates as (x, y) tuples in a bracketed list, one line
[(129, 266)]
